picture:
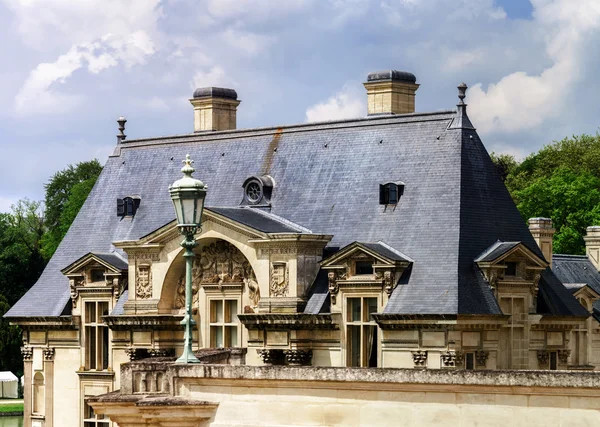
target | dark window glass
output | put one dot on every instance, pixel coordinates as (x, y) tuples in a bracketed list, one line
[(364, 267), (393, 194), (120, 207), (511, 269), (553, 361), (470, 361), (97, 275)]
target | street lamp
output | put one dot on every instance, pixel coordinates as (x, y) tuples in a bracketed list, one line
[(188, 196)]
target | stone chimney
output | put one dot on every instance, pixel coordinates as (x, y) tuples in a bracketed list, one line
[(391, 92), (214, 109), (592, 245), (542, 231)]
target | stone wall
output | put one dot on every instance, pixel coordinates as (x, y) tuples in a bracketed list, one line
[(219, 395)]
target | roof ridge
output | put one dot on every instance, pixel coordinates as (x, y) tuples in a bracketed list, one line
[(396, 251), (569, 256)]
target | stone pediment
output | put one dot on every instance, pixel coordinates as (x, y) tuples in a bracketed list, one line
[(500, 251), (381, 253), (111, 262)]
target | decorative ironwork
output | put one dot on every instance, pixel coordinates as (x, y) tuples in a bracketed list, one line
[(419, 358), (298, 357), (271, 356), (481, 357)]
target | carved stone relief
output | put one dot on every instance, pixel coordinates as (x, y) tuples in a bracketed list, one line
[(481, 357), (49, 354), (220, 264), (388, 282), (279, 285), (419, 358), (449, 359), (334, 288), (143, 282), (27, 353), (563, 356), (543, 356)]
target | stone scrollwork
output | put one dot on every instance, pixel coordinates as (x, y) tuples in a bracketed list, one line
[(535, 288), (27, 353), (481, 357), (279, 284), (74, 284), (334, 288), (388, 282), (271, 356), (449, 359), (419, 358), (563, 356), (143, 282), (49, 353), (543, 356), (298, 357)]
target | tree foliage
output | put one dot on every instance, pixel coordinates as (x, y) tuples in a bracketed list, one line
[(562, 182), (65, 194)]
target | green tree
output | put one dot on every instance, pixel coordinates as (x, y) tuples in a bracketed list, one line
[(505, 164), (65, 194), (10, 342)]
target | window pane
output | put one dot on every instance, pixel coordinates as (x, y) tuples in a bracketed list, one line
[(231, 311), (354, 345), (231, 336), (370, 345), (91, 339), (104, 347), (353, 309), (470, 361), (216, 311), (553, 361), (90, 312), (216, 333), (102, 311), (364, 267), (370, 307)]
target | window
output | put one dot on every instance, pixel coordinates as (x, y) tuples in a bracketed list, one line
[(127, 206), (470, 361), (97, 275), (96, 336), (224, 324), (511, 269), (390, 193), (553, 360), (361, 335), (91, 419), (38, 393), (364, 267)]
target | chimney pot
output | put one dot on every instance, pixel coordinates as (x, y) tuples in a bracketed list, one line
[(215, 109), (391, 92)]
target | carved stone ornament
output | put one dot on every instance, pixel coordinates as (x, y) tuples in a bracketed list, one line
[(543, 356), (271, 356), (280, 282), (334, 288), (143, 282), (563, 356), (388, 282), (161, 352), (481, 357), (419, 358), (49, 354), (449, 359), (459, 358), (219, 263), (491, 275), (27, 353), (135, 353), (298, 357), (535, 288), (253, 289), (74, 284)]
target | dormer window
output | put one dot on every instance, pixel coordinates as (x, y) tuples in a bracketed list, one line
[(257, 190), (127, 206), (390, 193)]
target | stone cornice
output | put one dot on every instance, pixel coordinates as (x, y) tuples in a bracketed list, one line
[(56, 322), (294, 321), (144, 322)]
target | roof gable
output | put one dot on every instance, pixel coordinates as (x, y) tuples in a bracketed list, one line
[(112, 262), (382, 253)]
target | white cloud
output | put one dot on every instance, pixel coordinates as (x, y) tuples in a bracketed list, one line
[(255, 10), (522, 101), (215, 76), (248, 43), (346, 104), (458, 60), (39, 93)]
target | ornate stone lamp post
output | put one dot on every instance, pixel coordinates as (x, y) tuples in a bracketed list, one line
[(188, 196)]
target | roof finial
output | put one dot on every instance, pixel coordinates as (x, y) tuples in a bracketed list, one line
[(462, 93), (121, 136), (187, 168)]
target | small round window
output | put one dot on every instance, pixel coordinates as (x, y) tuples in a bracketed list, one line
[(254, 192)]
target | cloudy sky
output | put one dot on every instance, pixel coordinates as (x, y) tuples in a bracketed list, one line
[(70, 68)]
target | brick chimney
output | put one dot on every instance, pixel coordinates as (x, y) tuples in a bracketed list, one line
[(391, 92), (542, 231), (592, 245), (214, 109)]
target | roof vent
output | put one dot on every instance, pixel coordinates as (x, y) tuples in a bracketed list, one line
[(128, 206), (390, 193)]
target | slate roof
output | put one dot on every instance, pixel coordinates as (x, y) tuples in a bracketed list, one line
[(113, 259), (387, 251), (577, 270), (327, 179), (496, 251), (260, 220)]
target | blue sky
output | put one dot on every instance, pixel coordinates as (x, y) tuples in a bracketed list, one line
[(71, 68)]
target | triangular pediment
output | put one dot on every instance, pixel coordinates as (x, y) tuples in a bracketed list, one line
[(112, 262), (500, 251), (383, 254), (585, 291)]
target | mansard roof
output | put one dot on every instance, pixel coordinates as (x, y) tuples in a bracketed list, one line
[(327, 178), (577, 270)]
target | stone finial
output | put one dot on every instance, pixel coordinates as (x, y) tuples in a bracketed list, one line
[(461, 120), (462, 93), (121, 136)]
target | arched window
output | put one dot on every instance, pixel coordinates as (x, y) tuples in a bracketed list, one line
[(39, 395)]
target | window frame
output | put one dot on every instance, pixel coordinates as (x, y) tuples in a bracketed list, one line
[(101, 333), (361, 324), (223, 325)]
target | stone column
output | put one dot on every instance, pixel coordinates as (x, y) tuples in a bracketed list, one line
[(27, 353), (49, 385)]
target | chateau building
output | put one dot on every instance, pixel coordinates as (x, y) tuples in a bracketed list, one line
[(387, 241)]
